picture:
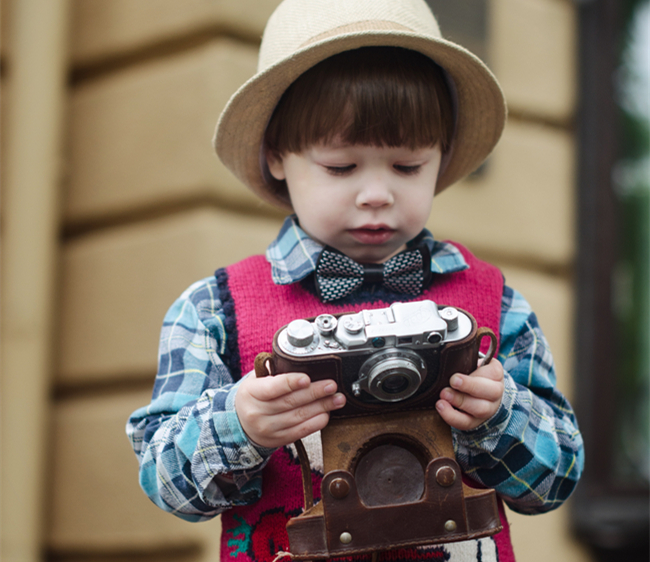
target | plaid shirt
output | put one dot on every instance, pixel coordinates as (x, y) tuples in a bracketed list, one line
[(196, 461)]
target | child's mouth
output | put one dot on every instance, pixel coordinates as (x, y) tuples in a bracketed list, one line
[(371, 234)]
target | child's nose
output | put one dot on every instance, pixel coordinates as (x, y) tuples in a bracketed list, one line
[(375, 194)]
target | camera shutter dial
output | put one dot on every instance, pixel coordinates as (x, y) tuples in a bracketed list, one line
[(326, 324)]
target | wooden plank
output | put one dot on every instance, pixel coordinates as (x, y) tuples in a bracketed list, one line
[(522, 205), (118, 284), (105, 29), (534, 54), (142, 137)]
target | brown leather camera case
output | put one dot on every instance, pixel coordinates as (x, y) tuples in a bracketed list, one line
[(390, 475)]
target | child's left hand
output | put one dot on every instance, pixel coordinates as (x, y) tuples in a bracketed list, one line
[(472, 399)]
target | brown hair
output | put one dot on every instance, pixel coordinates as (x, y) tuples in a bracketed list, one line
[(378, 96), (381, 96)]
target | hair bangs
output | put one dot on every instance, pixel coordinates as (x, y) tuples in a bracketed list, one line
[(378, 96)]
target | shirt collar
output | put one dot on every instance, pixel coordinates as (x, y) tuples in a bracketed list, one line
[(293, 254)]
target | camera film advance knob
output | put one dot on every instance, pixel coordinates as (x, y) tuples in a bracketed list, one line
[(300, 333)]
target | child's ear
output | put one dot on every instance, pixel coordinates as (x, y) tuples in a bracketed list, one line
[(276, 166)]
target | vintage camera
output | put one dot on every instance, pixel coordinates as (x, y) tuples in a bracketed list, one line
[(390, 475)]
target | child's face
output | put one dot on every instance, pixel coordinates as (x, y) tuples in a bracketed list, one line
[(365, 201)]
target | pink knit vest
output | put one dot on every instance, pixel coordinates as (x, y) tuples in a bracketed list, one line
[(256, 533)]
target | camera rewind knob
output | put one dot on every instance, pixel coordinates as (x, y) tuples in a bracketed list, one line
[(450, 316), (300, 333)]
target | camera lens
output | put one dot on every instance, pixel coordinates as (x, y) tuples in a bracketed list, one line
[(393, 380), (394, 384), (392, 375)]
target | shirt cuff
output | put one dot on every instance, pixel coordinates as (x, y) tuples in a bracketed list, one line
[(244, 453)]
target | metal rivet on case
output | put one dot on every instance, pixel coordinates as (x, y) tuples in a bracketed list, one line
[(345, 538), (339, 488), (445, 476), (450, 526)]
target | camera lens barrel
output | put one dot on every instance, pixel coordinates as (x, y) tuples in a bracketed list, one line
[(392, 375)]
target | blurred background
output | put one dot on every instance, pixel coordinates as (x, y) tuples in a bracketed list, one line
[(113, 202)]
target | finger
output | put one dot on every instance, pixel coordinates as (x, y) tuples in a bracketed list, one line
[(288, 435), (306, 412), (475, 407), (266, 389), (455, 418), (493, 370), (300, 398), (286, 427), (477, 386)]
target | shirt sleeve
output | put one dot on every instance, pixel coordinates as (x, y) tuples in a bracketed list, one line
[(195, 459), (531, 451)]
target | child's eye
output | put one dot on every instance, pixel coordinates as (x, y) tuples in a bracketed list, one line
[(408, 170), (340, 170)]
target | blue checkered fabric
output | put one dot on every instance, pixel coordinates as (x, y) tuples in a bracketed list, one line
[(196, 461), (293, 255)]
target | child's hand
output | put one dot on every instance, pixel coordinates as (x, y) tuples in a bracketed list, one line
[(475, 397), (278, 410)]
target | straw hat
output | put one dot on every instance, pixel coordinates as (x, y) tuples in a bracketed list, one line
[(301, 33)]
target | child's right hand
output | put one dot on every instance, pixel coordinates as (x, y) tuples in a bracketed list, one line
[(278, 410)]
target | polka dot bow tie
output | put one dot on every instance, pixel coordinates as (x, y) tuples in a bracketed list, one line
[(337, 275)]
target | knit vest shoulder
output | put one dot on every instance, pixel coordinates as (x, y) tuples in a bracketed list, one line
[(255, 309)]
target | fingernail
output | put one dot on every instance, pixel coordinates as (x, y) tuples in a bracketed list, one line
[(456, 381), (339, 400), (440, 406), (446, 395), (330, 388)]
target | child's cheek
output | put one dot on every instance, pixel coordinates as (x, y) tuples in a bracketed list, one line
[(333, 202)]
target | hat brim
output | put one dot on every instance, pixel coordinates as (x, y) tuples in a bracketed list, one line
[(480, 105)]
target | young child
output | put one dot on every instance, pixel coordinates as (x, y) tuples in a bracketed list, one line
[(360, 113)]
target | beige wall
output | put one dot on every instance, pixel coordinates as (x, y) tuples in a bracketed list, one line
[(145, 205), (34, 61)]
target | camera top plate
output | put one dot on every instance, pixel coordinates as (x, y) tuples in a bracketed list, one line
[(416, 325)]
